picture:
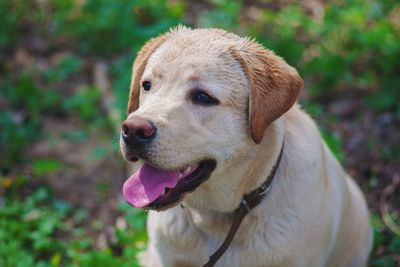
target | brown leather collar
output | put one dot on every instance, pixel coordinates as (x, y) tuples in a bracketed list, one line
[(249, 202)]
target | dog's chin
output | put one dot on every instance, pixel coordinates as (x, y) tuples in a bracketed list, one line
[(189, 181)]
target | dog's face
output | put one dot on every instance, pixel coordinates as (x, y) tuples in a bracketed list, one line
[(199, 100)]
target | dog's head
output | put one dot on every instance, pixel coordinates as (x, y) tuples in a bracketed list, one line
[(198, 99)]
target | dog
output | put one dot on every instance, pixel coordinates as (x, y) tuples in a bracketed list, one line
[(211, 115)]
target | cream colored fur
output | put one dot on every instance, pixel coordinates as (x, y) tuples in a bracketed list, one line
[(313, 216)]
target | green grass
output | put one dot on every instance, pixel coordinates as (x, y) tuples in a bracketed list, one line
[(38, 230)]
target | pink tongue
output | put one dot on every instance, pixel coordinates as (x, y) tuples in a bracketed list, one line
[(147, 184)]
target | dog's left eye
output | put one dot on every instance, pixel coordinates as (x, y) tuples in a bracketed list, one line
[(146, 85), (202, 98)]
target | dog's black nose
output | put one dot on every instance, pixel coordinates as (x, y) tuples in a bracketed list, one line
[(138, 131)]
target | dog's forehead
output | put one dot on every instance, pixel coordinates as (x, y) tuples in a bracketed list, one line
[(188, 55), (198, 57)]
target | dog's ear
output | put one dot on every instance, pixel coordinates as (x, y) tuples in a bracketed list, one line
[(138, 68), (274, 85)]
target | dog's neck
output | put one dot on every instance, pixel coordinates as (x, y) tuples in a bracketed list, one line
[(221, 195)]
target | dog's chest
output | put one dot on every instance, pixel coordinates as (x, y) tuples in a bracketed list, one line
[(182, 242)]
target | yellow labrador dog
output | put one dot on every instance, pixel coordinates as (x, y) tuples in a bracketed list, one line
[(213, 119)]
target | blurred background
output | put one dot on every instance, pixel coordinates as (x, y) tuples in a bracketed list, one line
[(64, 79)]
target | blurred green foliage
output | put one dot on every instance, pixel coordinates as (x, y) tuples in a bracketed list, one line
[(23, 106), (104, 27), (353, 46), (389, 258), (26, 230), (31, 229)]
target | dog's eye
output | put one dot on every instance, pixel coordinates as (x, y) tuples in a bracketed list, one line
[(146, 85), (202, 98)]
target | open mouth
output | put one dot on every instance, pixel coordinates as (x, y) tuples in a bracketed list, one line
[(152, 188)]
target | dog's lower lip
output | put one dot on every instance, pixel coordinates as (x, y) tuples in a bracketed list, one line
[(185, 185)]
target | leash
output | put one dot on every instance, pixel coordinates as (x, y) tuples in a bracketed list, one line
[(249, 202)]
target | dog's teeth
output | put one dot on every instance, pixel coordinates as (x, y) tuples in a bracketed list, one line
[(187, 170)]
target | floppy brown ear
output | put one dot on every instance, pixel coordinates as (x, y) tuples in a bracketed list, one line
[(274, 85), (138, 68)]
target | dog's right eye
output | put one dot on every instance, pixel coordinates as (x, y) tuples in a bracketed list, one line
[(146, 85), (202, 98)]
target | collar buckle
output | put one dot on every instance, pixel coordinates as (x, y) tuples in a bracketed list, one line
[(264, 189), (246, 205)]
